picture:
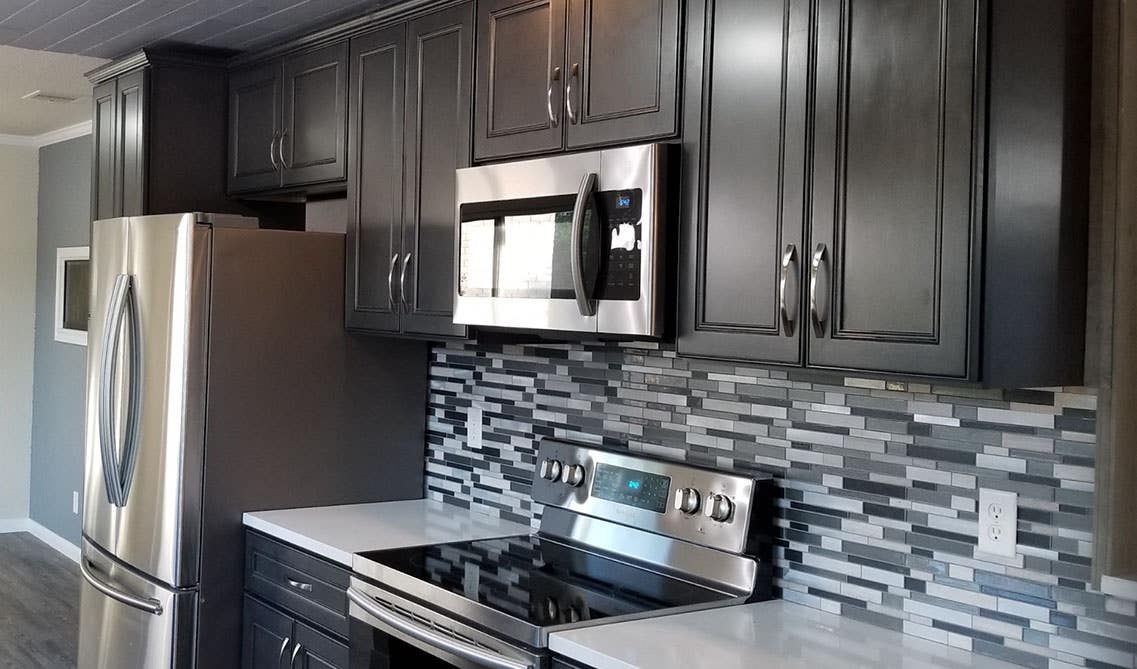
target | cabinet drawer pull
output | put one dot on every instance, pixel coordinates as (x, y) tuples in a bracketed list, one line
[(817, 318), (574, 74), (299, 585), (391, 283), (554, 120), (403, 283), (272, 151), (788, 258)]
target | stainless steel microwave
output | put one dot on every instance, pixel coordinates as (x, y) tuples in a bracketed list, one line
[(571, 243)]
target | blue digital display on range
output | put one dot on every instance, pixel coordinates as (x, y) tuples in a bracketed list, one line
[(634, 488), (623, 200)]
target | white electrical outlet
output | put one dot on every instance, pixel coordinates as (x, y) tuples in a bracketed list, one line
[(75, 502), (474, 427), (998, 522)]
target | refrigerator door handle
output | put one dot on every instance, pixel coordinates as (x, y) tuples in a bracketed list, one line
[(151, 606), (118, 476)]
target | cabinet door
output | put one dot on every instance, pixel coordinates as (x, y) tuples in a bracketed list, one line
[(267, 636), (103, 201), (440, 48), (894, 169), (313, 141), (375, 189), (319, 651), (254, 122), (130, 144), (622, 71), (745, 186), (521, 50)]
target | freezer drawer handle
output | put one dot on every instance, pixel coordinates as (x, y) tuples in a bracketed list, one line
[(148, 605), (433, 638)]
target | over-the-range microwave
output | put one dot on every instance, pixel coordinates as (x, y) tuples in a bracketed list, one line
[(571, 243)]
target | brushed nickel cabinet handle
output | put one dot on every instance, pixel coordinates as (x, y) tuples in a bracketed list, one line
[(403, 283), (391, 283), (295, 652), (280, 655), (299, 585), (574, 74), (280, 151), (815, 316), (788, 258), (554, 120), (272, 151)]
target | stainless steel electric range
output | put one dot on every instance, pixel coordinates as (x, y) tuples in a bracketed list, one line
[(622, 537)]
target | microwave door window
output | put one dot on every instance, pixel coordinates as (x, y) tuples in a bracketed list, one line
[(522, 255)]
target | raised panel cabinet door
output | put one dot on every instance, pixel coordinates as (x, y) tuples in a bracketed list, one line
[(745, 147), (313, 139), (104, 204), (375, 188), (520, 93), (319, 651), (894, 177), (440, 49), (622, 71), (130, 143), (266, 637), (254, 127)]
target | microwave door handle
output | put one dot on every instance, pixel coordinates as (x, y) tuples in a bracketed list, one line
[(466, 651), (583, 301)]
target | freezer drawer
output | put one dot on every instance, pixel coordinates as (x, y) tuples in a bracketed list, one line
[(129, 622)]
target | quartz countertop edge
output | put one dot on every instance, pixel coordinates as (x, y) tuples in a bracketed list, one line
[(776, 633), (336, 532)]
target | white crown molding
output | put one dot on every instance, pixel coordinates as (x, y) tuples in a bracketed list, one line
[(51, 137), (63, 546)]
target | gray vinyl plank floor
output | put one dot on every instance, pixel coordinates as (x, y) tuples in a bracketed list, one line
[(39, 605)]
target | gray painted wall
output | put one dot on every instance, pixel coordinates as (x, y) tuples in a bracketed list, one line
[(60, 369)]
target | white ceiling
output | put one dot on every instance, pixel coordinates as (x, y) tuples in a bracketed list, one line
[(23, 71)]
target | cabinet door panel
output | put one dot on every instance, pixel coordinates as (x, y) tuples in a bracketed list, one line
[(130, 142), (103, 201), (254, 120), (622, 69), (266, 632), (313, 141), (747, 184), (439, 76), (893, 197), (521, 44), (320, 651), (375, 191)]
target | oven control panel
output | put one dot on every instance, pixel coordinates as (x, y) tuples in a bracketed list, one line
[(700, 505)]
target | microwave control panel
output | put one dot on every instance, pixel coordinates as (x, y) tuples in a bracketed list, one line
[(622, 244)]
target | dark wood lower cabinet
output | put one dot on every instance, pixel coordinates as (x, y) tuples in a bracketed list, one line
[(266, 637)]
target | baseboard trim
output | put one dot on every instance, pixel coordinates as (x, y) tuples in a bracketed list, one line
[(61, 545)]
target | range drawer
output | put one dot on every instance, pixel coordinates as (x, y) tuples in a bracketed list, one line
[(311, 587)]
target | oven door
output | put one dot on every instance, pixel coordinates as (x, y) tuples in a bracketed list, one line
[(389, 632), (568, 243)]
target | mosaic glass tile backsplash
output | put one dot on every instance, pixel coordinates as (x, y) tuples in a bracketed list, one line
[(877, 516)]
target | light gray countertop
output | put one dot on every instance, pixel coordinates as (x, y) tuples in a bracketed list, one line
[(335, 532), (776, 634)]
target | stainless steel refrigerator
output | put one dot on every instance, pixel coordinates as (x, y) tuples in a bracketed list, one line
[(220, 380)]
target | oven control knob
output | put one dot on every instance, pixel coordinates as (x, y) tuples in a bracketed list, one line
[(572, 475), (552, 610), (551, 469), (718, 507), (687, 501)]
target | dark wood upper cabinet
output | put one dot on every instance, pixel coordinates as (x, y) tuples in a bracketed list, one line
[(158, 135), (745, 181), (521, 51), (313, 139), (437, 141), (556, 74), (411, 89), (288, 122), (621, 71), (895, 160), (871, 201), (375, 189), (254, 125)]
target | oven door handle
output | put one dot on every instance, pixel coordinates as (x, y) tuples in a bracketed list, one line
[(431, 637), (583, 301)]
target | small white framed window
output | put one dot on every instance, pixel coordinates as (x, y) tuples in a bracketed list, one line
[(72, 293)]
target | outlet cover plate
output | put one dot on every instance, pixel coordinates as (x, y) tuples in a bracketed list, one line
[(998, 522), (474, 428)]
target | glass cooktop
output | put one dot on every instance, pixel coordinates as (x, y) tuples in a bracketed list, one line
[(543, 582)]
